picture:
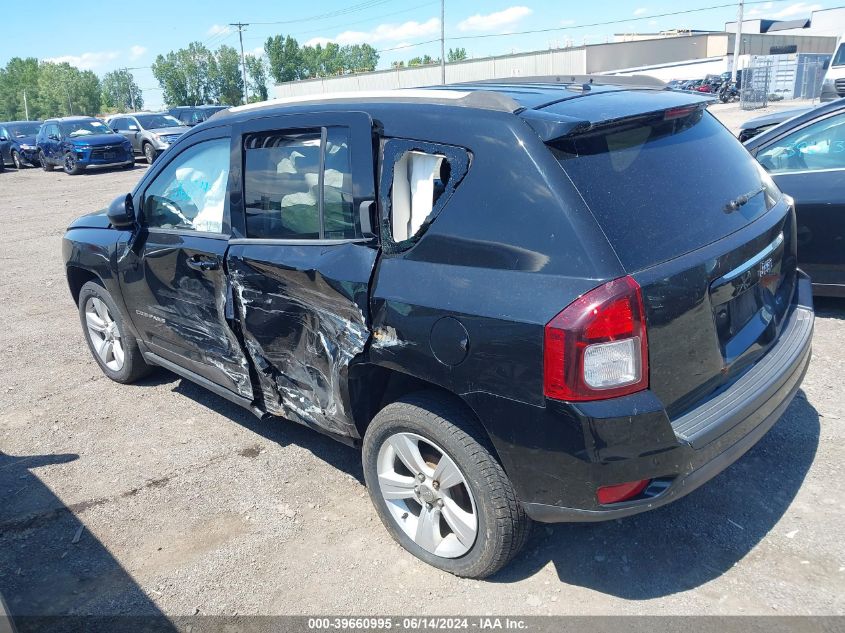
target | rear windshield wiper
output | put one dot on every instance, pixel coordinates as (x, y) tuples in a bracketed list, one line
[(737, 202)]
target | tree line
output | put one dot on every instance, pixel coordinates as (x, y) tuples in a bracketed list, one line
[(189, 76), (42, 89)]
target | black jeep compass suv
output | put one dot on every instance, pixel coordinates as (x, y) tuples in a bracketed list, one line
[(559, 301)]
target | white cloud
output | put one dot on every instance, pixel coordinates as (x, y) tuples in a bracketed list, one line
[(258, 51), (640, 11), (799, 9), (759, 10), (495, 20), (86, 61), (322, 41), (136, 51), (382, 33), (217, 29)]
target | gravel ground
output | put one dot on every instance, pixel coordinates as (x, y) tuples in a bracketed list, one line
[(163, 498)]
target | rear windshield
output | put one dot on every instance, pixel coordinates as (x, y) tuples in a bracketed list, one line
[(661, 187)]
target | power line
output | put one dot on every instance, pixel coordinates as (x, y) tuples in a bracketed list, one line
[(609, 22), (331, 14), (348, 24)]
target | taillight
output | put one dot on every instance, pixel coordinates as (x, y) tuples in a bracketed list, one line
[(596, 347)]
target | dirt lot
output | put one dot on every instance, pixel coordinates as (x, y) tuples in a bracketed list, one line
[(161, 497)]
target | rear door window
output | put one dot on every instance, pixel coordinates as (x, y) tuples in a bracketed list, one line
[(661, 186), (298, 185)]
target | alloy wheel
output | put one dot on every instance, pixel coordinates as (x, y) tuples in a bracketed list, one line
[(104, 333), (149, 153), (70, 162), (427, 495), (16, 159)]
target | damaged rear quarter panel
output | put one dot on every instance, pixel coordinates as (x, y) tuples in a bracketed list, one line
[(303, 312)]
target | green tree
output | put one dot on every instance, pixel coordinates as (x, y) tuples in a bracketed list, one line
[(423, 61), (456, 55), (284, 57), (189, 76), (120, 92), (63, 90), (256, 71), (358, 58), (230, 82), (19, 77)]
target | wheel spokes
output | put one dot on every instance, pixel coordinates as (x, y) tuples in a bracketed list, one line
[(408, 451), (395, 486), (461, 522), (428, 529), (446, 473), (94, 322), (117, 351)]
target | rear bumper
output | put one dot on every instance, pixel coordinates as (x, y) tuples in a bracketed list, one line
[(631, 438)]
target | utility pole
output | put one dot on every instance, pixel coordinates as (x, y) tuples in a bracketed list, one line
[(243, 59), (25, 107), (443, 42), (737, 39)]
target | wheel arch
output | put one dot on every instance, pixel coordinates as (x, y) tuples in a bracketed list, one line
[(373, 387), (78, 277)]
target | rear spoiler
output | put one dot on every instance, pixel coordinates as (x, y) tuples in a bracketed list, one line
[(552, 127)]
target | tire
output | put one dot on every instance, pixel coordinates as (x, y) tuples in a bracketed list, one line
[(149, 152), (106, 323), (484, 493), (128, 166), (45, 164), (71, 165), (16, 160)]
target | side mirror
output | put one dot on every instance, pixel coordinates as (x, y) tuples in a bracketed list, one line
[(3, 138), (114, 129), (121, 212)]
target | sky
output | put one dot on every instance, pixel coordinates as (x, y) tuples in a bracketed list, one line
[(101, 36)]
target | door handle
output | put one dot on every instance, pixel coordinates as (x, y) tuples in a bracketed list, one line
[(203, 264)]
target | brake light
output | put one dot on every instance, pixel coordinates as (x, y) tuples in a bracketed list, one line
[(597, 347)]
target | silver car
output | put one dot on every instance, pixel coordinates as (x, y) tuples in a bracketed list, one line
[(149, 133)]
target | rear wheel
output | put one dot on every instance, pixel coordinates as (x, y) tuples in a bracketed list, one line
[(149, 153), (71, 164), (45, 164), (113, 347), (438, 488)]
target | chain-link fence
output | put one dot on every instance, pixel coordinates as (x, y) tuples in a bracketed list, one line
[(779, 77)]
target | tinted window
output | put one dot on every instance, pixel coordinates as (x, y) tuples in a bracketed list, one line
[(839, 58), (282, 185), (84, 127), (157, 121), (118, 124), (190, 193), (659, 187), (820, 145)]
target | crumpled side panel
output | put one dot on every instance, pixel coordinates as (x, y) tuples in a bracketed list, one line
[(302, 327)]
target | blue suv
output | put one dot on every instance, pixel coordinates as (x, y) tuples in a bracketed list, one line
[(17, 142), (77, 142)]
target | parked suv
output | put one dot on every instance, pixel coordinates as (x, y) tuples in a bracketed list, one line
[(149, 133), (193, 115), (17, 143), (491, 289), (78, 142)]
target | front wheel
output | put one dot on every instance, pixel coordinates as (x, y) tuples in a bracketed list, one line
[(45, 164), (438, 488), (149, 153), (16, 159), (71, 164), (114, 348)]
